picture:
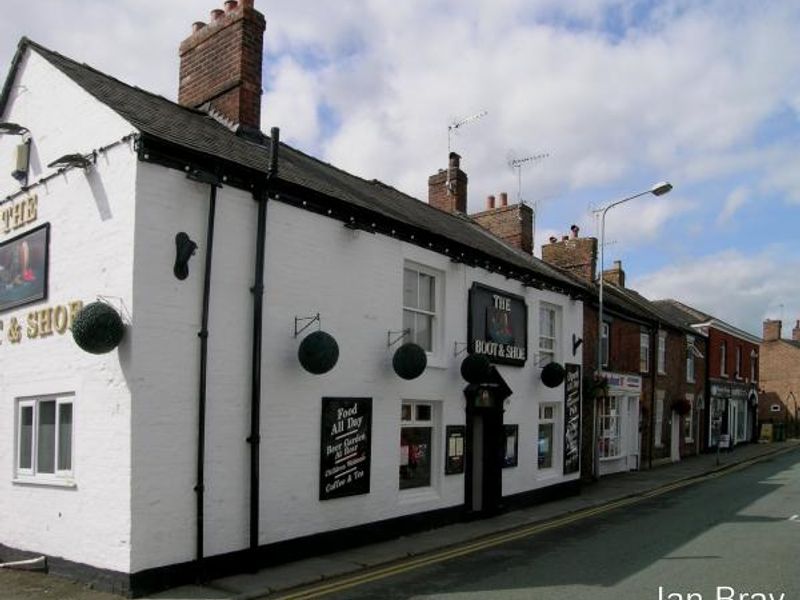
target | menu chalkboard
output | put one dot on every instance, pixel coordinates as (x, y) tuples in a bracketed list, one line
[(345, 447), (572, 418)]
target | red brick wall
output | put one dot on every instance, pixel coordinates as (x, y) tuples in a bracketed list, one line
[(221, 64), (512, 224), (453, 198), (578, 255), (715, 340)]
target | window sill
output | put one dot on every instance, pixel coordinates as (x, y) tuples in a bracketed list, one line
[(610, 458), (436, 361), (415, 495), (34, 481)]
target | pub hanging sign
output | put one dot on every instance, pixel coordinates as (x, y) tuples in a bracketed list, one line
[(498, 325)]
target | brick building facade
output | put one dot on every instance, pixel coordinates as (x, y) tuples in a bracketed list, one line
[(779, 381)]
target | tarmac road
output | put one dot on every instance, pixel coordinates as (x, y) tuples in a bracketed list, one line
[(735, 533)]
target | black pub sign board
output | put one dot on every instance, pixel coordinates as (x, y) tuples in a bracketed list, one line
[(572, 418), (498, 325), (345, 442)]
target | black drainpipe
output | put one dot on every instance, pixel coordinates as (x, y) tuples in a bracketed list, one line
[(653, 386), (199, 488), (258, 296)]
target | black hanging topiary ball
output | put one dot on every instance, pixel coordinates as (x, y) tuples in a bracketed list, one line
[(98, 328), (318, 352), (409, 361), (553, 374), (475, 368)]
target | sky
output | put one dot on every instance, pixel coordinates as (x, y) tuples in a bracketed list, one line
[(618, 94)]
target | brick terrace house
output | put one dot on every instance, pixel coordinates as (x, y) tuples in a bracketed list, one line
[(654, 366), (780, 379), (733, 376)]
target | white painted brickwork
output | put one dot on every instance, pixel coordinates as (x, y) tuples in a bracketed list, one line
[(133, 506), (91, 254)]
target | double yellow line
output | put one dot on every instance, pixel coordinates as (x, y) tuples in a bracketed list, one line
[(497, 539)]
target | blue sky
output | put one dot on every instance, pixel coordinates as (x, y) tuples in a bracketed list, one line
[(620, 94)]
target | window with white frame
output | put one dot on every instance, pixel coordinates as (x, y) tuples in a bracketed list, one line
[(753, 359), (738, 362), (688, 420), (548, 334), (658, 426), (417, 424), (610, 427), (662, 352), (604, 341), (690, 358), (420, 305), (44, 437), (644, 352), (723, 359), (547, 427)]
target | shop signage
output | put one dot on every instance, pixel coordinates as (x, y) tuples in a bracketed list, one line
[(627, 382), (41, 323), (23, 268), (498, 325), (345, 447), (18, 213), (454, 463), (572, 418)]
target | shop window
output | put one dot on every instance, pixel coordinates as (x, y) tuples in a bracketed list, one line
[(548, 334), (610, 423), (44, 437), (604, 341), (547, 426), (420, 306), (416, 444), (688, 421), (644, 352), (662, 352)]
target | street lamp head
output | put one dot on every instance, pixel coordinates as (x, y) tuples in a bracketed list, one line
[(662, 188)]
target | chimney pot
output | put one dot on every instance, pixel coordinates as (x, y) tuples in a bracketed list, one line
[(553, 239), (454, 161), (564, 238), (503, 199), (618, 265), (489, 202), (575, 231), (217, 14), (197, 26), (231, 5), (246, 3)]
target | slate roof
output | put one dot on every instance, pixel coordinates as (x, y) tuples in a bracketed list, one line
[(655, 311), (682, 312), (195, 130)]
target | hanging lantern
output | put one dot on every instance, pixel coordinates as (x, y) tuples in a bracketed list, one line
[(553, 374), (98, 328), (318, 352), (409, 361), (475, 368)]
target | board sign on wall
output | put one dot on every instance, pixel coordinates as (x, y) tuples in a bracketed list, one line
[(572, 418), (345, 447), (498, 325)]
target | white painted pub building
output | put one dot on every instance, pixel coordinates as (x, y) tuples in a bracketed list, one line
[(309, 360)]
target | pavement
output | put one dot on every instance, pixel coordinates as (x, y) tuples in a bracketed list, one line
[(280, 579)]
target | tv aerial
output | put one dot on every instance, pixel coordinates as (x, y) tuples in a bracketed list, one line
[(516, 163), (459, 123)]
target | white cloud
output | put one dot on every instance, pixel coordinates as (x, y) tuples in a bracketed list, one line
[(735, 287), (735, 200)]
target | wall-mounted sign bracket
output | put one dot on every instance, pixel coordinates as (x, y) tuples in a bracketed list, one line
[(399, 335), (576, 342), (308, 321)]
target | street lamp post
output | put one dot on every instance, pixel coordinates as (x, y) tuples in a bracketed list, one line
[(658, 189)]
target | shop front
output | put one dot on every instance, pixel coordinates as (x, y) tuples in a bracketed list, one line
[(617, 427)]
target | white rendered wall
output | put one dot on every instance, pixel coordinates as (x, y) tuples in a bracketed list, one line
[(313, 264), (91, 240)]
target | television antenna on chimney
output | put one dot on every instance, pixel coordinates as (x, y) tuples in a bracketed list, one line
[(458, 124), (517, 164)]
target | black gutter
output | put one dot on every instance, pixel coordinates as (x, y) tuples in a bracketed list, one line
[(203, 335), (258, 302)]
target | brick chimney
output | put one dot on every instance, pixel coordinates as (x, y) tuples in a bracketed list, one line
[(772, 330), (221, 63), (512, 224), (615, 274), (447, 189), (573, 253), (796, 332)]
